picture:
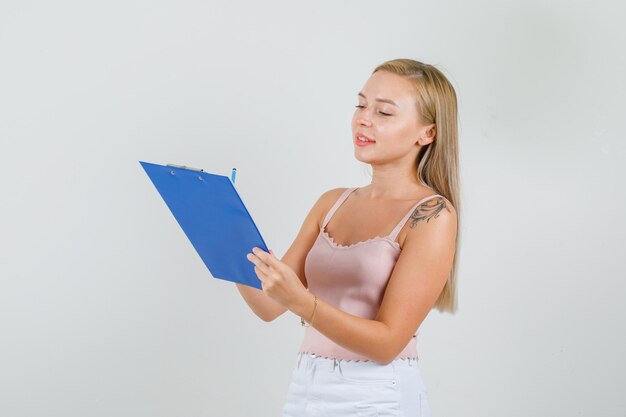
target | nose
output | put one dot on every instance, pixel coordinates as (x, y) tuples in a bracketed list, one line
[(362, 120), (362, 116)]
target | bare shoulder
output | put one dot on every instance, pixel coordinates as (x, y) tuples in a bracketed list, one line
[(433, 208), (435, 218), (332, 194), (326, 201)]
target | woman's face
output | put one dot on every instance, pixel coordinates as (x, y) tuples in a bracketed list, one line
[(387, 114)]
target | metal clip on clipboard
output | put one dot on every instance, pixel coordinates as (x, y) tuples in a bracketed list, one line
[(185, 167), (232, 175)]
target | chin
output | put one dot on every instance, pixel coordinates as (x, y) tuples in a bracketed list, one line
[(361, 159)]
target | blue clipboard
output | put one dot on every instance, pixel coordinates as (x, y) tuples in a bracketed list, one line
[(213, 216)]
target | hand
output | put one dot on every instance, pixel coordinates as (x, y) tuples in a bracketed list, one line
[(278, 280)]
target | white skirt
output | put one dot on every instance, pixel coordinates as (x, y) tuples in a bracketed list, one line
[(323, 387)]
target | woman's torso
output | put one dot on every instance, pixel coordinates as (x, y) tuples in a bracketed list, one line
[(349, 264)]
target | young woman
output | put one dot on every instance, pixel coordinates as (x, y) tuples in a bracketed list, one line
[(361, 276)]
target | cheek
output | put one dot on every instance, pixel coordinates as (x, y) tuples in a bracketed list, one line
[(401, 130)]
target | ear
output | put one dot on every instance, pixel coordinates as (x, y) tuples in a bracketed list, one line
[(429, 135)]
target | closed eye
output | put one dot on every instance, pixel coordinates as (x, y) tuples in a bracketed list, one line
[(362, 107)]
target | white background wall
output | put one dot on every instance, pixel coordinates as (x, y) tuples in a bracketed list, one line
[(106, 309)]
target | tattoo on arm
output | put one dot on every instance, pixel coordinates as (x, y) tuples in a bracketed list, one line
[(427, 210)]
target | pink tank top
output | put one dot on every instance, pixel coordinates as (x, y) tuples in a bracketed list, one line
[(353, 279)]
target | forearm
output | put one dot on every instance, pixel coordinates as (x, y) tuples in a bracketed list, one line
[(262, 305), (357, 334)]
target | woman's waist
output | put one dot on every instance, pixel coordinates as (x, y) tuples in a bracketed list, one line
[(317, 344)]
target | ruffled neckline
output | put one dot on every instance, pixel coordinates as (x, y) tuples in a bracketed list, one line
[(334, 244)]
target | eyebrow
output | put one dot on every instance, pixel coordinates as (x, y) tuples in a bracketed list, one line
[(384, 100)]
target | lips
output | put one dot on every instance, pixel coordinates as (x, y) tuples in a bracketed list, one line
[(358, 134)]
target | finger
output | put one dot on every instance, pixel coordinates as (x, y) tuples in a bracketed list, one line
[(265, 257), (257, 262), (261, 254), (259, 274), (253, 258), (262, 266)]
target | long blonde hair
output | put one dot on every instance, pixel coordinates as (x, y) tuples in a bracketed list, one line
[(438, 162)]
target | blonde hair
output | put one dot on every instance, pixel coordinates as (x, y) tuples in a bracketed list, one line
[(437, 164)]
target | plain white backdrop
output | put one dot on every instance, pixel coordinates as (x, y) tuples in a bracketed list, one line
[(107, 310)]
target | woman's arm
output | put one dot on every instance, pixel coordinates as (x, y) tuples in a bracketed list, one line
[(262, 305)]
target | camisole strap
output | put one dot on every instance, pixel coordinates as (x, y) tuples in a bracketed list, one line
[(397, 229), (334, 208)]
